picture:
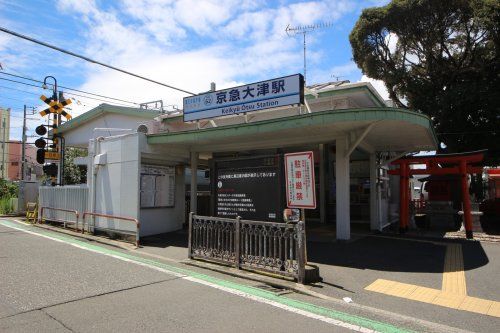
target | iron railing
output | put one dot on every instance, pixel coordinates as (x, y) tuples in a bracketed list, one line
[(60, 220), (276, 248), (131, 219)]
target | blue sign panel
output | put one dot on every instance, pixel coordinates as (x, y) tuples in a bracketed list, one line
[(262, 95)]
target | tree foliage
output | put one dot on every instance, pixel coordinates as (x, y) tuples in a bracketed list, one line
[(441, 58), (74, 174), (8, 189)]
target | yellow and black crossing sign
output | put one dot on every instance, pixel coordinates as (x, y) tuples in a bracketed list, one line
[(55, 107)]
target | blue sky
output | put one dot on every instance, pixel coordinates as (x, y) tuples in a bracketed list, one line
[(187, 44)]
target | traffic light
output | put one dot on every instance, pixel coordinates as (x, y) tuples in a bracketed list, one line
[(40, 143), (50, 170), (41, 130), (40, 155)]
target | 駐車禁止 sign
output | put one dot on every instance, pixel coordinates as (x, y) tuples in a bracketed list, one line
[(262, 95), (300, 184)]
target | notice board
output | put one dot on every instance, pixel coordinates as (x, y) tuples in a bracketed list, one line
[(251, 188), (157, 186)]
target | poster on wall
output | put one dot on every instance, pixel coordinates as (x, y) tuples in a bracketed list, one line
[(157, 186), (300, 185), (250, 188)]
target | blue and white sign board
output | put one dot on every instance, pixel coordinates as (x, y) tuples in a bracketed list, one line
[(262, 95)]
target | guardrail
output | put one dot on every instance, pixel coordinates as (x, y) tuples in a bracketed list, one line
[(75, 222), (131, 219), (276, 248)]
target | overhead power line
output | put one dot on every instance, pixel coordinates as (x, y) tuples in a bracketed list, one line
[(90, 60), (72, 89), (68, 93)]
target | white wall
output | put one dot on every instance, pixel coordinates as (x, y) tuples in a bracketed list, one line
[(117, 182), (118, 186), (81, 135)]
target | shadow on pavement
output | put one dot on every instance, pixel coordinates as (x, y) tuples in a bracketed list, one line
[(391, 254), (175, 239), (363, 252)]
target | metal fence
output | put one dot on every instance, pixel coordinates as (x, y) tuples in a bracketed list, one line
[(64, 199), (91, 225), (74, 221), (276, 248)]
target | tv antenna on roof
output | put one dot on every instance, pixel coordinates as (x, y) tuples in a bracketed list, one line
[(337, 77), (304, 29)]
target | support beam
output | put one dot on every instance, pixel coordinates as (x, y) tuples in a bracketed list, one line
[(374, 214), (466, 200), (194, 183), (359, 138), (342, 181), (322, 183), (308, 108), (397, 157), (404, 198)]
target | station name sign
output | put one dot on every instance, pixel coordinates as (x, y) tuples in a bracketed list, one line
[(288, 90)]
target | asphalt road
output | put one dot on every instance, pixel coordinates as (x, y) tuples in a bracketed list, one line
[(49, 286), (51, 283)]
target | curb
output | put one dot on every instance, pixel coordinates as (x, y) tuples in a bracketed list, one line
[(96, 239), (248, 275)]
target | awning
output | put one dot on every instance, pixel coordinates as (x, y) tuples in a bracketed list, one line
[(373, 129)]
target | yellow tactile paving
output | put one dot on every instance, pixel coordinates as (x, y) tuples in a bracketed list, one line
[(453, 272), (494, 309), (453, 294), (449, 300), (436, 297), (478, 305), (423, 294)]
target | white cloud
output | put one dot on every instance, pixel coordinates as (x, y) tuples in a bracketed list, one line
[(238, 41), (378, 85)]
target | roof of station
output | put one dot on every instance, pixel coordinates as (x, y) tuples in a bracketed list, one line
[(336, 109), (107, 108)]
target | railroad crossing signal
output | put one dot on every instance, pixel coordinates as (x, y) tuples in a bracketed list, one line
[(55, 107), (52, 155)]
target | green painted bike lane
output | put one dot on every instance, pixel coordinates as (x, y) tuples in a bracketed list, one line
[(335, 317)]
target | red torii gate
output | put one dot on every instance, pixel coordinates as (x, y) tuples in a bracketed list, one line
[(451, 164)]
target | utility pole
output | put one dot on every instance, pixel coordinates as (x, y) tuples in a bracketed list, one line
[(23, 147), (3, 147)]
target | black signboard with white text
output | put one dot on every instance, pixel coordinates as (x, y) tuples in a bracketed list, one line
[(249, 187)]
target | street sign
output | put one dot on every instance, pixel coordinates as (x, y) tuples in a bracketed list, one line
[(55, 107), (257, 96), (300, 185), (52, 155)]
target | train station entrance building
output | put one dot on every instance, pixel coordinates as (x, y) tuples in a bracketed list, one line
[(153, 172), (354, 136)]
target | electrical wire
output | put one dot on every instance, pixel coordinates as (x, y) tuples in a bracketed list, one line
[(90, 60), (67, 93), (72, 89)]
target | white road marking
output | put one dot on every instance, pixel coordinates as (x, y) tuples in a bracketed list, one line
[(216, 286)]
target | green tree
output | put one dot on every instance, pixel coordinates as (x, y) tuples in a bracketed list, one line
[(8, 189), (440, 58), (74, 174)]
